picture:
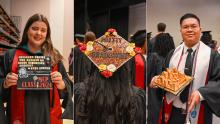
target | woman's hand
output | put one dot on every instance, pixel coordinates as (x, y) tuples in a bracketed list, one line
[(152, 83), (10, 80), (56, 78)]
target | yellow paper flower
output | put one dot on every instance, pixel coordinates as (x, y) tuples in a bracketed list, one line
[(129, 49), (132, 53), (89, 43), (107, 33), (87, 52), (132, 44), (102, 67)]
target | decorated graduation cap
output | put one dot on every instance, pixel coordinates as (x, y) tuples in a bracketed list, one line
[(109, 52)]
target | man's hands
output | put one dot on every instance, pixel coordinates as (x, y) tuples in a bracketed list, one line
[(152, 83), (193, 100)]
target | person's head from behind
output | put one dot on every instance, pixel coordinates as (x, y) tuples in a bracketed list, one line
[(190, 29), (109, 92), (161, 27), (139, 38), (163, 44), (89, 36)]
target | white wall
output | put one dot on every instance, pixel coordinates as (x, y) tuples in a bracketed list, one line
[(57, 23), (6, 5), (68, 28), (170, 11), (26, 8), (137, 18)]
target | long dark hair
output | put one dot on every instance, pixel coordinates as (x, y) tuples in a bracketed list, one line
[(163, 44), (47, 47), (111, 97)]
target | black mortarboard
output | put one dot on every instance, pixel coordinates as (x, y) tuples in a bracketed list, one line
[(206, 37), (139, 38)]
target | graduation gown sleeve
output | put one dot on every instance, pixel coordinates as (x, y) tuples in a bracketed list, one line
[(140, 116), (67, 94), (211, 92), (82, 65), (80, 112), (4, 70)]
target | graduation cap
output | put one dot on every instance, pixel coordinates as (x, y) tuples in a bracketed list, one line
[(207, 33), (139, 38), (206, 37), (109, 52)]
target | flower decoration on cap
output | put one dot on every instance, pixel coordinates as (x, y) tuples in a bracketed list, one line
[(107, 71), (86, 48), (102, 67), (130, 49), (82, 47), (89, 46), (111, 32), (111, 68), (138, 50)]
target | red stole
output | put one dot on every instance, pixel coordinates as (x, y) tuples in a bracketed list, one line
[(139, 71), (17, 99), (168, 109)]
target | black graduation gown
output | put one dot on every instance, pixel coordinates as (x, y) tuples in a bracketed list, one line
[(210, 92), (82, 65), (71, 62), (2, 114), (37, 106), (154, 67)]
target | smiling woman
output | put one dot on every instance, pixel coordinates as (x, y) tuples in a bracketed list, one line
[(36, 106), (36, 35)]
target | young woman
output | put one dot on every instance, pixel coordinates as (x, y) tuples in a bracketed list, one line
[(35, 106)]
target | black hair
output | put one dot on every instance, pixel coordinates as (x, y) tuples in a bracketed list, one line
[(161, 27), (189, 15), (163, 44), (111, 96)]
